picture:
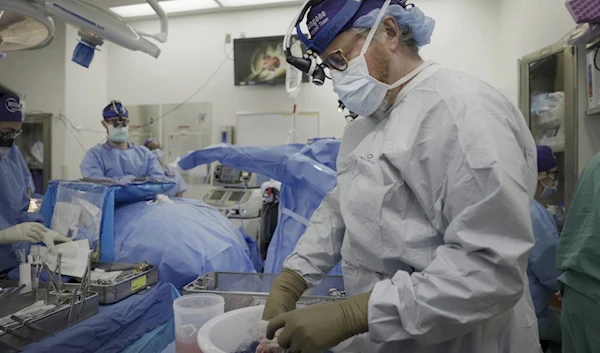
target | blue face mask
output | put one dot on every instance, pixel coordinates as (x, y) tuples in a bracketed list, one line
[(118, 134), (158, 153), (549, 191)]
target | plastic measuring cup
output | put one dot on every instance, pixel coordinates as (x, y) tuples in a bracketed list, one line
[(191, 313)]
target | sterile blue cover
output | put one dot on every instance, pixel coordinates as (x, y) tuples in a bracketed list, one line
[(307, 174), (115, 194), (185, 240), (115, 327)]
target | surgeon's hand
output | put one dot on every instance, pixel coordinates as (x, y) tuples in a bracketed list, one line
[(30, 232), (127, 179), (320, 327), (285, 293), (51, 237)]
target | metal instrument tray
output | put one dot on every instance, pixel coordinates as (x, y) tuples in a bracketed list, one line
[(109, 293), (50, 322), (241, 290), (115, 292)]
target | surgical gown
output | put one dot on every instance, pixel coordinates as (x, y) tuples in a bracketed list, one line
[(172, 174), (578, 258), (16, 156), (14, 203), (105, 161), (541, 269), (431, 214)]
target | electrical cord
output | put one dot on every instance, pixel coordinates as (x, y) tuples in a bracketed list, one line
[(226, 54), (73, 129), (189, 98)]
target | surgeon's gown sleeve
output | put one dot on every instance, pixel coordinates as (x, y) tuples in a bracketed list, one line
[(321, 245), (16, 156), (92, 166), (154, 169), (14, 203), (542, 261), (474, 170)]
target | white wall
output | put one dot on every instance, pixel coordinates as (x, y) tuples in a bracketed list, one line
[(527, 26), (196, 49), (86, 92), (40, 74), (525, 29), (54, 84)]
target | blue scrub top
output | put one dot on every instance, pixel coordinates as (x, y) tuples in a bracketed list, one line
[(105, 161), (541, 267), (172, 174), (14, 203)]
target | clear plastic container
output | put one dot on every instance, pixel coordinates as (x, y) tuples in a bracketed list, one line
[(191, 313)]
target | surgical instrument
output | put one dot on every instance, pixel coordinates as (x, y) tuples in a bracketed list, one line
[(11, 293), (59, 269), (85, 283), (15, 333), (51, 276), (28, 324)]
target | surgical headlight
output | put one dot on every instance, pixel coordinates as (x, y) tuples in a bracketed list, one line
[(308, 62), (118, 122)]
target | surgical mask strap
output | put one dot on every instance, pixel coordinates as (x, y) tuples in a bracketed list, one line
[(411, 75), (375, 26)]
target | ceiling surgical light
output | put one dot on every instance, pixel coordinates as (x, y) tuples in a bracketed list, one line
[(172, 6), (26, 25)]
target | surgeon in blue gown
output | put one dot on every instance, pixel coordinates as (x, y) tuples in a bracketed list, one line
[(171, 174), (541, 268), (16, 156), (118, 159), (17, 226)]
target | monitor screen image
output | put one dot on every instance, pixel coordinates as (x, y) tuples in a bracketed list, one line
[(230, 175), (260, 61)]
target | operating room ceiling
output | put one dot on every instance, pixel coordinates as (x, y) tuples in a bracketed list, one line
[(221, 5)]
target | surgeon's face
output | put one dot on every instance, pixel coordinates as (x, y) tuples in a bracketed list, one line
[(547, 178), (347, 46), (9, 131), (153, 145)]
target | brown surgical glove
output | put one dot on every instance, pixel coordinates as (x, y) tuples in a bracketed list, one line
[(285, 293)]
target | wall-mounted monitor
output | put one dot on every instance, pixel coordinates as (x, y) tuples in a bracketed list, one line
[(260, 61)]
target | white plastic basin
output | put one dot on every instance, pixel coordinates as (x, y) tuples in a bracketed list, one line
[(227, 332)]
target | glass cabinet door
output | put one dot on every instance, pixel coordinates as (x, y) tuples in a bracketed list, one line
[(547, 118)]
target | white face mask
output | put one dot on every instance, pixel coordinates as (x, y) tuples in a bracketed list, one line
[(549, 190), (118, 134), (360, 92)]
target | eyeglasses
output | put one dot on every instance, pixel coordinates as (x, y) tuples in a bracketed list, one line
[(337, 59), (118, 122), (10, 134)]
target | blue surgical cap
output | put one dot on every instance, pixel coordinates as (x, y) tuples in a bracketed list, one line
[(407, 18), (546, 159), (109, 111), (321, 15), (10, 106)]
